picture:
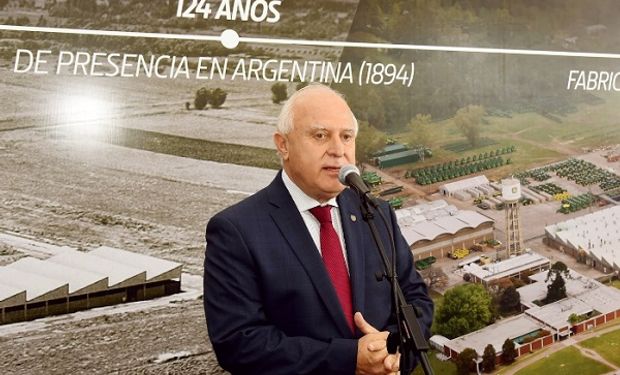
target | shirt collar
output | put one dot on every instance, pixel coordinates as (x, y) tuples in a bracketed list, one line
[(303, 201)]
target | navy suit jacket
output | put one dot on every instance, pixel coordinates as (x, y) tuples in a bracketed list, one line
[(269, 302)]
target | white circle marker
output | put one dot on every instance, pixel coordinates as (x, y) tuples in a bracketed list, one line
[(229, 38)]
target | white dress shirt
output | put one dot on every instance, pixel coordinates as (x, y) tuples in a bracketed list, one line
[(304, 203)]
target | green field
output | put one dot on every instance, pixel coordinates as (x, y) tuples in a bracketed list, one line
[(589, 126), (567, 361), (539, 140), (439, 367), (195, 148), (607, 345)]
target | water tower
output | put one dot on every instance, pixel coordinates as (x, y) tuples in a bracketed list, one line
[(511, 193)]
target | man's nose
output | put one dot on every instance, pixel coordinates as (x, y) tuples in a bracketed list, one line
[(336, 147)]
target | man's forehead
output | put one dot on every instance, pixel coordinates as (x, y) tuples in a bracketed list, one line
[(316, 100)]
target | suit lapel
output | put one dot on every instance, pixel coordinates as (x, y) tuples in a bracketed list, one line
[(353, 226), (291, 225)]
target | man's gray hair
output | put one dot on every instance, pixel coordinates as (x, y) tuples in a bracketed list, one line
[(285, 119)]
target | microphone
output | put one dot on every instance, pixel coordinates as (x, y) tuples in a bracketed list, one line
[(349, 175)]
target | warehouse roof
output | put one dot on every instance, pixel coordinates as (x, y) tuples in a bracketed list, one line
[(428, 230), (467, 183), (472, 218), (397, 155), (38, 288), (450, 224), (155, 268), (69, 272), (80, 281), (596, 295), (428, 221), (390, 149), (119, 275), (508, 267), (538, 289), (411, 236), (11, 296), (496, 334), (597, 234), (556, 314), (426, 207), (601, 298)]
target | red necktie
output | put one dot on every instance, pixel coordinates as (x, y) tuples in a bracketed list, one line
[(333, 259)]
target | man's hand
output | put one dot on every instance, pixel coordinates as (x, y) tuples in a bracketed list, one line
[(372, 355)]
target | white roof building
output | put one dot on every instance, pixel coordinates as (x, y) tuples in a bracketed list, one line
[(472, 218), (506, 268), (80, 281), (11, 296), (37, 288), (438, 342), (468, 183), (589, 291), (496, 334), (555, 315), (430, 220), (597, 234), (586, 297), (119, 275), (156, 269), (69, 280)]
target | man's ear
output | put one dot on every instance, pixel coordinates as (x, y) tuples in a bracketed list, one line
[(281, 143)]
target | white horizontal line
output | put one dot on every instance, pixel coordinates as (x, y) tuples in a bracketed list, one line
[(319, 43), (131, 34)]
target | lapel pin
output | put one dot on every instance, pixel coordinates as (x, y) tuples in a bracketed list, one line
[(353, 218)]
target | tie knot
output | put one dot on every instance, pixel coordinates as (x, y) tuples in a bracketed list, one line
[(322, 213)]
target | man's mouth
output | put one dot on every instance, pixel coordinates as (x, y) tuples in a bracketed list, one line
[(332, 169)]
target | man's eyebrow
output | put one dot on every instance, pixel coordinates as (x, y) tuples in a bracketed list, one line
[(319, 127)]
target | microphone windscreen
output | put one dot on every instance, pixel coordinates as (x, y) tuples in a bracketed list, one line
[(345, 170)]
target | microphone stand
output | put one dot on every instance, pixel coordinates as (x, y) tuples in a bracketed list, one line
[(409, 337)]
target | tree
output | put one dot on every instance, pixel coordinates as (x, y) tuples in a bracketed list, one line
[(202, 98), (422, 131), (574, 318), (278, 93), (468, 121), (557, 289), (369, 140), (488, 358), (465, 308), (558, 268), (510, 299), (509, 353), (465, 361), (368, 106), (217, 97)]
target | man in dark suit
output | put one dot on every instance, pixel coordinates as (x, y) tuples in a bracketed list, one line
[(290, 285)]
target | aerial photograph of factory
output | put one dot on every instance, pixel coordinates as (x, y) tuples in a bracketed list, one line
[(503, 170)]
